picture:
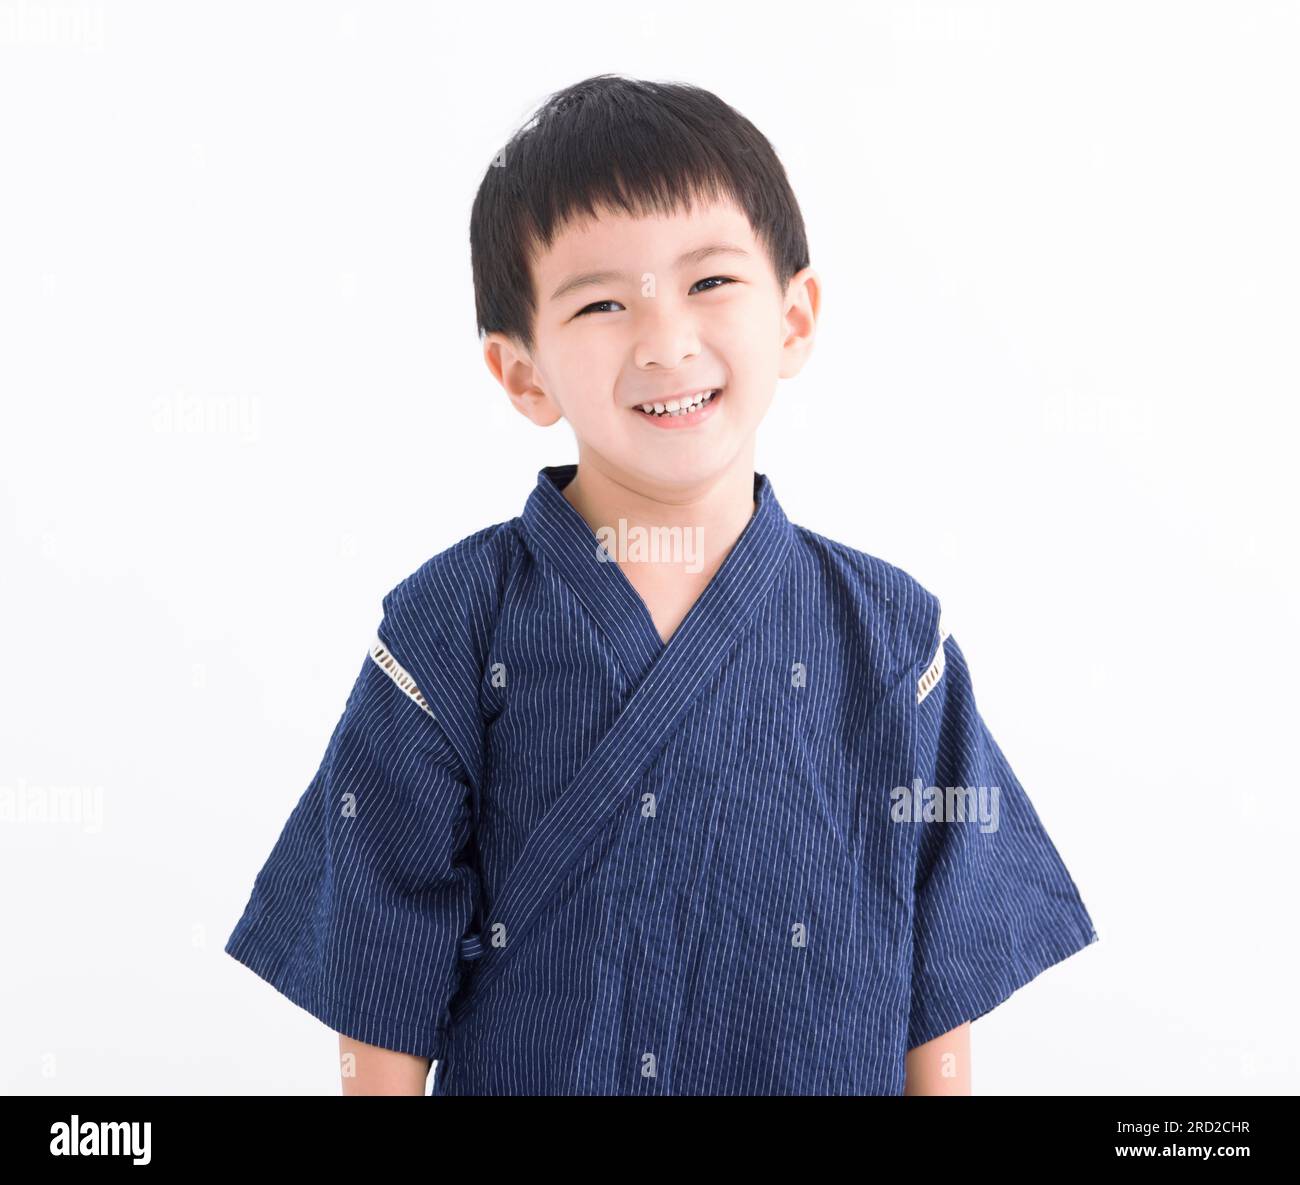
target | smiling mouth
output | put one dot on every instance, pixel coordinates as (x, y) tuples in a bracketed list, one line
[(675, 409)]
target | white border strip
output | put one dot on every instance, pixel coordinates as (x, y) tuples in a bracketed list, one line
[(926, 683), (394, 669)]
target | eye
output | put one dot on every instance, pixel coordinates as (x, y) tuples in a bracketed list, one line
[(719, 280), (590, 307)]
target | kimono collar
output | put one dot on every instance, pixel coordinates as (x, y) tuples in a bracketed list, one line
[(556, 529)]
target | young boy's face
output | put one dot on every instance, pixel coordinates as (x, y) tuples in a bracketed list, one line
[(634, 311)]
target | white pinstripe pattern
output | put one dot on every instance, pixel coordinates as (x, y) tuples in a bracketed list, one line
[(665, 934)]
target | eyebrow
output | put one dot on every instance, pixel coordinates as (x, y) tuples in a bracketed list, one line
[(594, 279)]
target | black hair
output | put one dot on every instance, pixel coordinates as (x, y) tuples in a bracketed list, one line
[(619, 143)]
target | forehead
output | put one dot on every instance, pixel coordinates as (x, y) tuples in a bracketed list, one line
[(615, 241)]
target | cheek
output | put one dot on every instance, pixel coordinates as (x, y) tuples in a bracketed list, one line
[(585, 361), (591, 378), (748, 334)]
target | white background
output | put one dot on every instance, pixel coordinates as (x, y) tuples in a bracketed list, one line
[(241, 397)]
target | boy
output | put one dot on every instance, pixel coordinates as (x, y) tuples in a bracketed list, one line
[(597, 821)]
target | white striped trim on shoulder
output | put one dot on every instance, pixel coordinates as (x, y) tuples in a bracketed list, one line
[(394, 669), (927, 681)]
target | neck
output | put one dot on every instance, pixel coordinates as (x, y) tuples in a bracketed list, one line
[(715, 509)]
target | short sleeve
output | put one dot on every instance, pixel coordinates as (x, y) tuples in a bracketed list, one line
[(994, 904), (358, 913)]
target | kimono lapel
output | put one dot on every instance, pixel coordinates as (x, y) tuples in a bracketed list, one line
[(562, 536), (672, 678)]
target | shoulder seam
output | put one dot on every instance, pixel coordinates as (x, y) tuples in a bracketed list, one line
[(456, 563), (399, 675), (930, 678)]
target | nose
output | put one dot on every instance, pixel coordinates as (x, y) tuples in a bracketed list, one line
[(665, 338)]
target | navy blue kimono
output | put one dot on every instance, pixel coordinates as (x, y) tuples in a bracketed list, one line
[(562, 857)]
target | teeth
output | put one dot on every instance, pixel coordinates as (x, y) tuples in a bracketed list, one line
[(679, 407)]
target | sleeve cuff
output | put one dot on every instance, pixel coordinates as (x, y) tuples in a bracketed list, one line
[(272, 965), (968, 993)]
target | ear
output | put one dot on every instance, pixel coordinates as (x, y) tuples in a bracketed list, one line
[(513, 367), (802, 302)]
